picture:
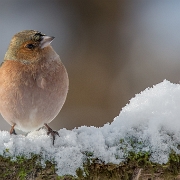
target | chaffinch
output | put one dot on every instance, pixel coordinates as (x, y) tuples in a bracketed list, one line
[(33, 82)]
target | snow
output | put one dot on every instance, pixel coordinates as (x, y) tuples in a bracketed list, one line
[(149, 123)]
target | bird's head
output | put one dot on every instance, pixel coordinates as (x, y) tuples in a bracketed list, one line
[(28, 46)]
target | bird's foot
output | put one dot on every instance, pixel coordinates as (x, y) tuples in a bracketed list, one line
[(12, 131), (50, 131)]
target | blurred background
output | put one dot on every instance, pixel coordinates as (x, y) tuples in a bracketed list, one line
[(112, 49)]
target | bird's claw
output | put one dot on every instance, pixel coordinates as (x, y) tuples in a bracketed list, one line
[(12, 131), (50, 131)]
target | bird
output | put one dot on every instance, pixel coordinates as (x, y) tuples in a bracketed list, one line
[(33, 82)]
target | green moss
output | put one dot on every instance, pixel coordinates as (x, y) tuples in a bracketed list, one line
[(99, 171), (22, 168)]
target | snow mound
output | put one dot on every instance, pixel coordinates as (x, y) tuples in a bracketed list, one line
[(149, 123)]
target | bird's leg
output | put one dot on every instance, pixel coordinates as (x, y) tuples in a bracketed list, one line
[(12, 131), (50, 131)]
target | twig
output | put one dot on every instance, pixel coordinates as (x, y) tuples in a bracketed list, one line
[(136, 174)]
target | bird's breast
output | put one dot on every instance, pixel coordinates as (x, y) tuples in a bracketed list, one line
[(28, 92)]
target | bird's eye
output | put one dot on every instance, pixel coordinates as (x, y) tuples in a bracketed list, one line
[(30, 46)]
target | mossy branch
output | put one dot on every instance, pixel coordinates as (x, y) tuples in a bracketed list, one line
[(136, 167)]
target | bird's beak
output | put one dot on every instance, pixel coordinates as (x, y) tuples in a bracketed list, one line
[(46, 40)]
